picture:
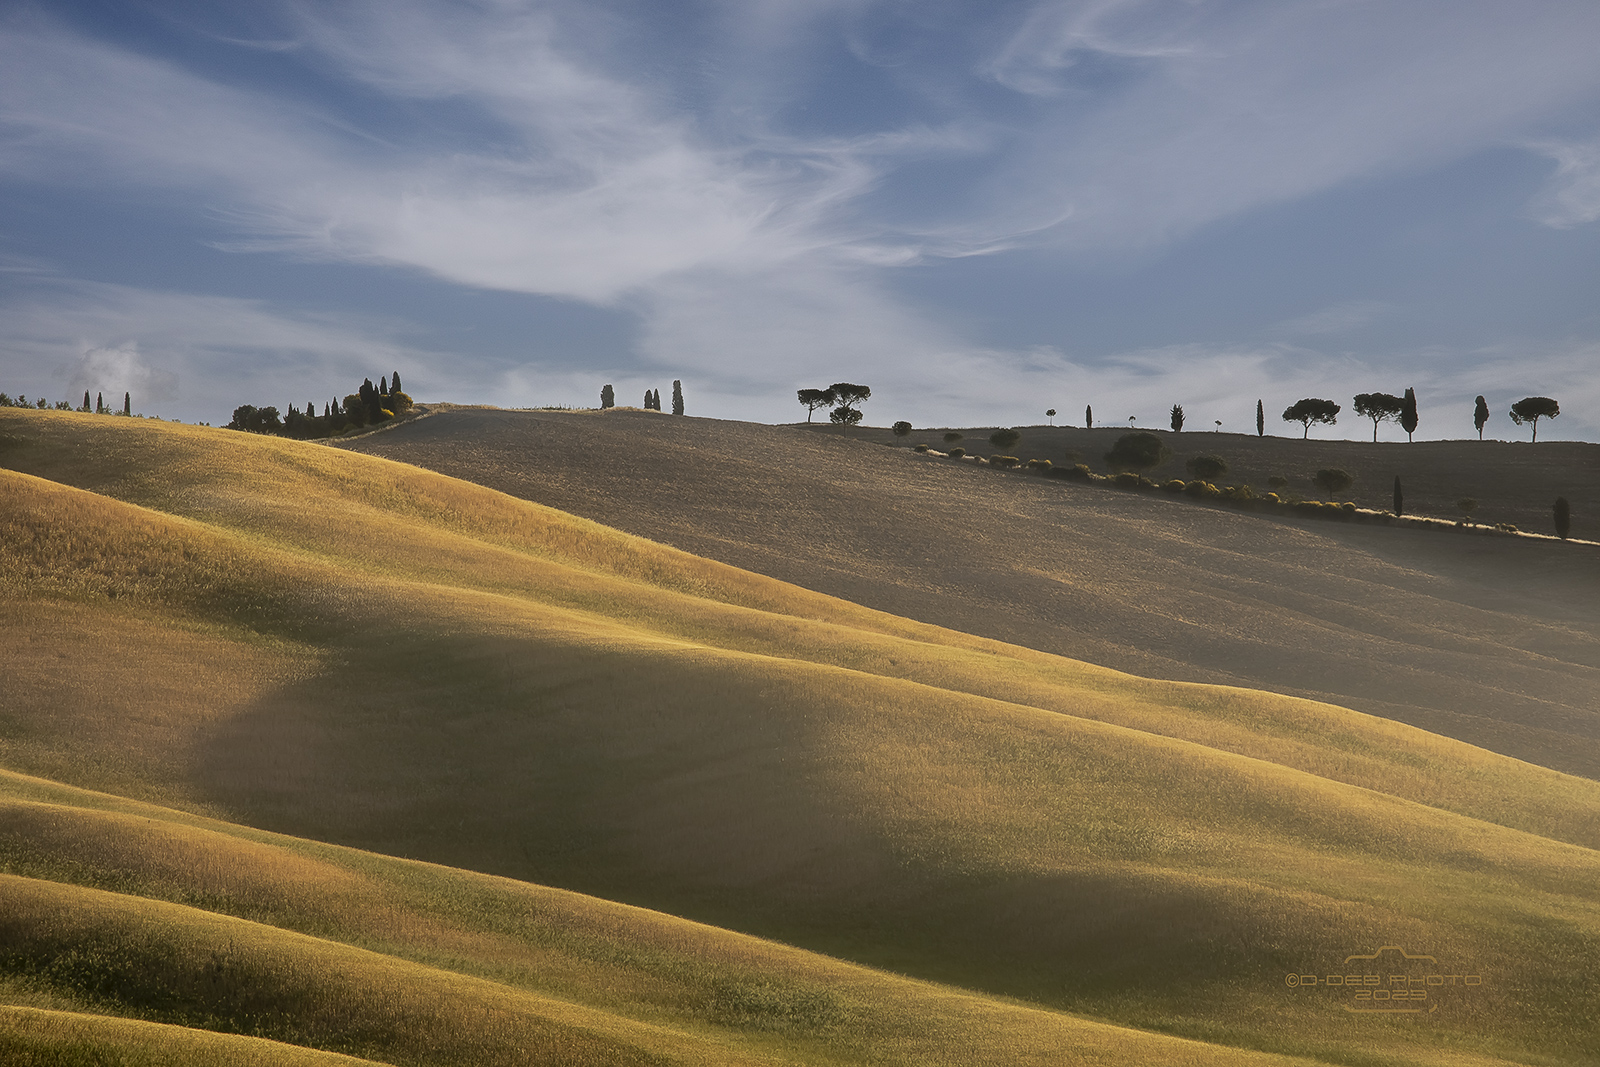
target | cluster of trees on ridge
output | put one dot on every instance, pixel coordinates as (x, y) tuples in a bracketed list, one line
[(99, 408), (652, 398), (842, 397), (367, 406), (1309, 411)]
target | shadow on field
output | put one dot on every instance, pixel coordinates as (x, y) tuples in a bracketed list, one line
[(1494, 641)]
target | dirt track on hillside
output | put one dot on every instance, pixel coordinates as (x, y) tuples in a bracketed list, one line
[(1493, 640)]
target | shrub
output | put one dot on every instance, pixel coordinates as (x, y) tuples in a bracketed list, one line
[(920, 448), (1174, 485), (957, 453), (1272, 498), (1332, 480), (1040, 466), (952, 437), (1004, 439), (1078, 472), (901, 428), (1127, 480), (1004, 461), (1505, 527), (1202, 490), (1277, 481), (1207, 468), (1239, 493), (1137, 452)]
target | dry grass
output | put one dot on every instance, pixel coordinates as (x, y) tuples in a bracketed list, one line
[(34, 1037), (451, 967), (427, 668), (1494, 641)]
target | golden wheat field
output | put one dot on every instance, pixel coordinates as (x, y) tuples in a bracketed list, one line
[(1489, 639), (311, 747)]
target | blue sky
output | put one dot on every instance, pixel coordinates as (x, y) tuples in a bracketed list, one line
[(981, 209)]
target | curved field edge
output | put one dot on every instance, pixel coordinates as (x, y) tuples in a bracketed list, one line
[(505, 966), (65, 1039), (965, 836), (389, 520)]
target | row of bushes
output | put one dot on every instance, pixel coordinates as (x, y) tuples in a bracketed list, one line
[(1239, 496)]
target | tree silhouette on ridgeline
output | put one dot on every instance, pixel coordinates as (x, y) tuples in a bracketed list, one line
[(846, 397), (814, 399), (1408, 413), (1312, 410), (1480, 416), (1379, 407), (1530, 409)]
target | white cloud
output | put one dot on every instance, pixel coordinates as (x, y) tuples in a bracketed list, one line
[(118, 369), (1572, 195), (192, 356), (1167, 115)]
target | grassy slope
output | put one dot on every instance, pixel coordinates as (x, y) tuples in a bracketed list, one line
[(1492, 640), (358, 651), (138, 909)]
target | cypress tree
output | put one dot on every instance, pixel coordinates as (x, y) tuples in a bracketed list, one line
[(1088, 417), (1480, 415), (85, 401), (677, 397), (1399, 498), (394, 383), (1563, 517), (1261, 420), (608, 397), (127, 404), (1408, 413), (99, 403), (383, 386)]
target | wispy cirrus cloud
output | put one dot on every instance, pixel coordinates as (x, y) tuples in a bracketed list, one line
[(751, 184), (1159, 116)]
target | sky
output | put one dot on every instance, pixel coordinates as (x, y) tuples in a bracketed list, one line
[(982, 210)]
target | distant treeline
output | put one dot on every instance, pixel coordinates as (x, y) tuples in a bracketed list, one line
[(99, 408), (367, 406)]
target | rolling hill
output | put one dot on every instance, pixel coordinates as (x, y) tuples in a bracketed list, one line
[(1492, 640), (344, 652)]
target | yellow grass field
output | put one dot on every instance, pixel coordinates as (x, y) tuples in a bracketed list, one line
[(353, 651)]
